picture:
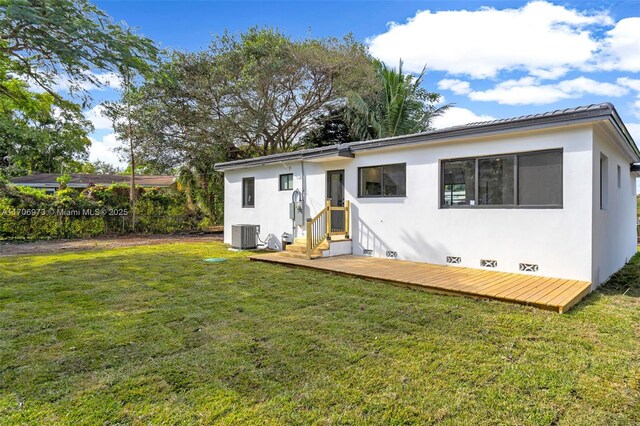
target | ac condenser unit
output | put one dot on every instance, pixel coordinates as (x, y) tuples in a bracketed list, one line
[(244, 236)]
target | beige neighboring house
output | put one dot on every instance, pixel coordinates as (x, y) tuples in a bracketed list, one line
[(48, 181)]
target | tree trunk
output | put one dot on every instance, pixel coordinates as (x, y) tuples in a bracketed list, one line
[(132, 192)]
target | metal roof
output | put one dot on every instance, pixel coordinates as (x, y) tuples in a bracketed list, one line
[(586, 113), (79, 180)]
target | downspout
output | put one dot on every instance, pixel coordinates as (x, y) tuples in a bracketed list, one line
[(304, 194)]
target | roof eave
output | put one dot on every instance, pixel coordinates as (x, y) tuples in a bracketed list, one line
[(340, 151)]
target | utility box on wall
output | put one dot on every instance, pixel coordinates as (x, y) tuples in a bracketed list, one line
[(295, 213), (244, 236)]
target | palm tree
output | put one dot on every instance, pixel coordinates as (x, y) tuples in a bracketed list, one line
[(400, 107)]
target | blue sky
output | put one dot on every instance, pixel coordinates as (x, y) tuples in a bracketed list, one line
[(491, 59)]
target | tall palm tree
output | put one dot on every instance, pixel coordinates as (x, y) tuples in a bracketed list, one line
[(400, 106)]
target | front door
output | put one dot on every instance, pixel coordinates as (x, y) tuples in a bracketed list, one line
[(335, 193)]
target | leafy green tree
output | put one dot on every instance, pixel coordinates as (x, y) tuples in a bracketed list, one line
[(37, 135), (331, 128), (45, 46), (53, 42), (249, 94), (401, 106), (63, 180), (103, 168)]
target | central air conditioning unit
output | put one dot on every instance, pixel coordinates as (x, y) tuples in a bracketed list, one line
[(244, 236)]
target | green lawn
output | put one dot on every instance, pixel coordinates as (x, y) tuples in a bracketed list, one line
[(155, 335)]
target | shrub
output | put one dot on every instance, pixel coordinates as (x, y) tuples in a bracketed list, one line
[(27, 213)]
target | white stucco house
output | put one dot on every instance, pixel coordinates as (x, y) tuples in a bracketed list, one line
[(550, 194)]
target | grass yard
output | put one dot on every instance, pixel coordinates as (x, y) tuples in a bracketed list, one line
[(145, 335)]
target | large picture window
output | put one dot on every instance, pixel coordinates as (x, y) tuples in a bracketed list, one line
[(248, 192), (382, 181), (531, 179)]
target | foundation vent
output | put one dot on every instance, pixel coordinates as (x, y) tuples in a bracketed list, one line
[(367, 252), (454, 260), (528, 267), (392, 254), (485, 263)]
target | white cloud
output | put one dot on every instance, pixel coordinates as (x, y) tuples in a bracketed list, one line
[(106, 80), (630, 83), (621, 47), (458, 87), (455, 116), (635, 107), (634, 130), (529, 90), (103, 150), (582, 85), (95, 115), (540, 37), (62, 84), (633, 84)]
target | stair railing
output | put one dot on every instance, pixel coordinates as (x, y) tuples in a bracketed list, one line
[(318, 228)]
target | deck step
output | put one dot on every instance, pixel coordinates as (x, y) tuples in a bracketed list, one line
[(302, 249), (303, 240), (299, 248), (298, 255)]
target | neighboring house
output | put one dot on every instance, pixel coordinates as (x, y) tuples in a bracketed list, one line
[(48, 181), (549, 194)]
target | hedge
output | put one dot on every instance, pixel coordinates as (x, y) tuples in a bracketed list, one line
[(31, 214)]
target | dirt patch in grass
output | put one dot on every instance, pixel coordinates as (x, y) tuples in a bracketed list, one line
[(57, 246)]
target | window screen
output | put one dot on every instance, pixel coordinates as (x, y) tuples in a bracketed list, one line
[(371, 181), (248, 192), (286, 182), (540, 179), (383, 181), (495, 181), (459, 179), (394, 180)]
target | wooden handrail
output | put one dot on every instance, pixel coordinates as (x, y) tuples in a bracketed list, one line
[(347, 217), (317, 230), (319, 227)]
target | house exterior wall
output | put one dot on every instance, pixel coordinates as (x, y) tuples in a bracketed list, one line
[(558, 240), (614, 225)]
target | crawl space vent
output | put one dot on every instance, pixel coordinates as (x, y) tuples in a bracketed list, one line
[(528, 267)]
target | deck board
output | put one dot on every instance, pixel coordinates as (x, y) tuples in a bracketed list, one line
[(544, 292)]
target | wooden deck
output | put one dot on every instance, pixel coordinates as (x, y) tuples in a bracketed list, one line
[(543, 292)]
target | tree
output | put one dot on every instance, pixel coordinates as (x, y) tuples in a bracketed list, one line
[(37, 135), (102, 168), (250, 94), (121, 114), (46, 45), (49, 42), (330, 129), (401, 106)]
